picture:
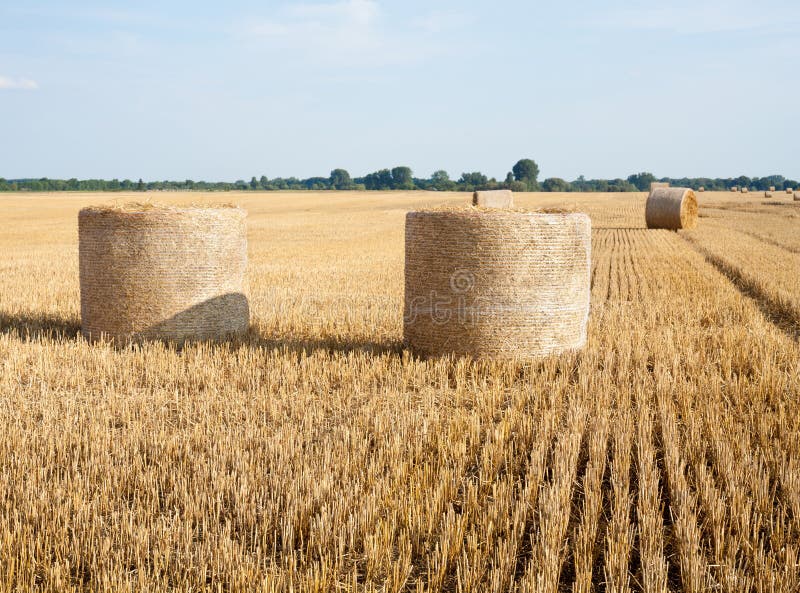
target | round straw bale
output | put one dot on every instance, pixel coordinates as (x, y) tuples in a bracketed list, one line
[(789, 190), (735, 188), (745, 190), (671, 208), (797, 196), (658, 184), (496, 284), (701, 189), (771, 188), (767, 194), (167, 273)]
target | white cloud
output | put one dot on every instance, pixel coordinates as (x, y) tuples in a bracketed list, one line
[(24, 84), (360, 12), (710, 16), (344, 32), (439, 21)]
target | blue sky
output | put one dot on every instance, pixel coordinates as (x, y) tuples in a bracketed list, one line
[(223, 91)]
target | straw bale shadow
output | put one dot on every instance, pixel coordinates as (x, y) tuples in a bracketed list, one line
[(780, 314), (35, 326), (331, 344), (221, 319), (214, 320)]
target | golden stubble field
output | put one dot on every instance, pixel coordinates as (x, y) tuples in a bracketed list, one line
[(316, 455)]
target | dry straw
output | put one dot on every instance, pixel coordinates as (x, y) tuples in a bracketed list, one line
[(658, 184), (701, 189), (789, 190), (497, 198), (797, 196), (151, 272), (496, 284), (735, 188), (767, 194), (671, 208), (771, 188), (745, 190)]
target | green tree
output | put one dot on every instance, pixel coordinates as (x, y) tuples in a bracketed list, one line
[(140, 185), (379, 180), (441, 181), (402, 178), (555, 184), (473, 181), (253, 183), (263, 183), (642, 181), (527, 170), (340, 179)]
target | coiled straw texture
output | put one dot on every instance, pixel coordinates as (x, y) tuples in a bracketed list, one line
[(671, 208), (496, 284), (173, 274)]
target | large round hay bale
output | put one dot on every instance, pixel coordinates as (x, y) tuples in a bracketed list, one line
[(735, 189), (671, 208), (496, 284), (745, 190), (771, 188), (797, 196), (168, 273), (789, 190), (658, 184)]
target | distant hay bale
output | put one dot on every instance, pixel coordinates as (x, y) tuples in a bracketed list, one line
[(767, 194), (701, 189), (789, 190), (174, 274), (771, 188), (671, 208), (745, 190), (797, 196), (658, 184), (496, 284), (497, 198), (735, 188)]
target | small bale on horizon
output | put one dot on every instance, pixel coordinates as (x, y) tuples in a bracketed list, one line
[(495, 198)]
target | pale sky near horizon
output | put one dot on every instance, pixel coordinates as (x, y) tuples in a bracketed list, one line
[(225, 91)]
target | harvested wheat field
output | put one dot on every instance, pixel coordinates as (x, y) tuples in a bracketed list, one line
[(315, 454)]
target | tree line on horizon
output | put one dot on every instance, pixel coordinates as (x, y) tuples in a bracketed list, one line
[(524, 176)]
